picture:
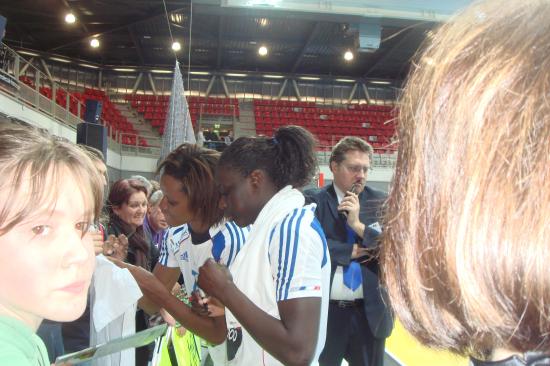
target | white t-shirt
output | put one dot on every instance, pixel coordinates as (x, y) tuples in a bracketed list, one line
[(300, 267), (178, 251)]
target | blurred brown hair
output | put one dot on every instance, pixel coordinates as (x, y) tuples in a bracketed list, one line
[(466, 254)]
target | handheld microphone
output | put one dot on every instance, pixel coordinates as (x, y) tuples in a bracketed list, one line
[(355, 190)]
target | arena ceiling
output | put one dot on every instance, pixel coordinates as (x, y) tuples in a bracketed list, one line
[(135, 33)]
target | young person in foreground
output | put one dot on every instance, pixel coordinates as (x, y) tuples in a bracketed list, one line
[(276, 295), (50, 194), (467, 248)]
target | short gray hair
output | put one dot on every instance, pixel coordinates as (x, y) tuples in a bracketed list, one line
[(155, 198), (145, 182)]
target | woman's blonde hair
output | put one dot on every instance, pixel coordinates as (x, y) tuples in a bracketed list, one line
[(466, 252), (32, 166)]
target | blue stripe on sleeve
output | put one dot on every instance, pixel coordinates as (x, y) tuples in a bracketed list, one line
[(270, 238), (316, 225), (179, 229), (271, 234), (286, 253), (218, 245), (231, 246), (243, 237), (245, 231), (163, 255), (237, 236), (279, 264), (294, 252)]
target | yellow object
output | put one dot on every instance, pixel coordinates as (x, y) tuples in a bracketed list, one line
[(187, 349), (409, 352)]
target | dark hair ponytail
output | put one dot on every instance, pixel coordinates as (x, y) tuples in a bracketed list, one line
[(288, 157)]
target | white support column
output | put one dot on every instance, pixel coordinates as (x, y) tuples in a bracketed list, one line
[(366, 90), (47, 69), (352, 93), (224, 84), (37, 86), (282, 90), (152, 82), (296, 90), (16, 65), (210, 85), (136, 84), (27, 64)]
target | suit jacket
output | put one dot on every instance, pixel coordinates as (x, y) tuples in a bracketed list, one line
[(376, 308)]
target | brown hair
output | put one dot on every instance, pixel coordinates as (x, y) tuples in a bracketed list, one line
[(194, 167), (97, 157), (466, 250), (94, 153), (121, 191), (349, 143), (139, 248), (30, 153)]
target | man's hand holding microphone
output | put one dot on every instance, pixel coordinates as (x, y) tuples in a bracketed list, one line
[(349, 208)]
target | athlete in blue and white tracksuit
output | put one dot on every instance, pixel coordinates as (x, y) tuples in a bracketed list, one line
[(297, 265), (182, 249)]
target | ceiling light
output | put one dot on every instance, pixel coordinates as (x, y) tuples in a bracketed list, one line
[(90, 66), (94, 42), (262, 51), (70, 18), (161, 71), (60, 59), (380, 82), (124, 70), (309, 78), (199, 73), (346, 80), (236, 75), (176, 18), (273, 76), (176, 46), (28, 53), (348, 56)]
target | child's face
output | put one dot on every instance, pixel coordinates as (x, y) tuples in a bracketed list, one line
[(46, 264)]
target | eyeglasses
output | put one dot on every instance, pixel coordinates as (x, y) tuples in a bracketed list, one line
[(356, 169)]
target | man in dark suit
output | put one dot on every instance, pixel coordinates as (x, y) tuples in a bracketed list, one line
[(359, 319)]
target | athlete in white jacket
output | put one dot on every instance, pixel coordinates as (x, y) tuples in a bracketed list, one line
[(277, 290)]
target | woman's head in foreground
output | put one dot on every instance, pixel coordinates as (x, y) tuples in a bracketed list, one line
[(50, 193), (467, 247)]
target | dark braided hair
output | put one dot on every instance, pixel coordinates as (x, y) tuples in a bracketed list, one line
[(288, 157)]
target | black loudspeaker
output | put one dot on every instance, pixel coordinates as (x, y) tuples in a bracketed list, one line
[(92, 134), (93, 111)]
